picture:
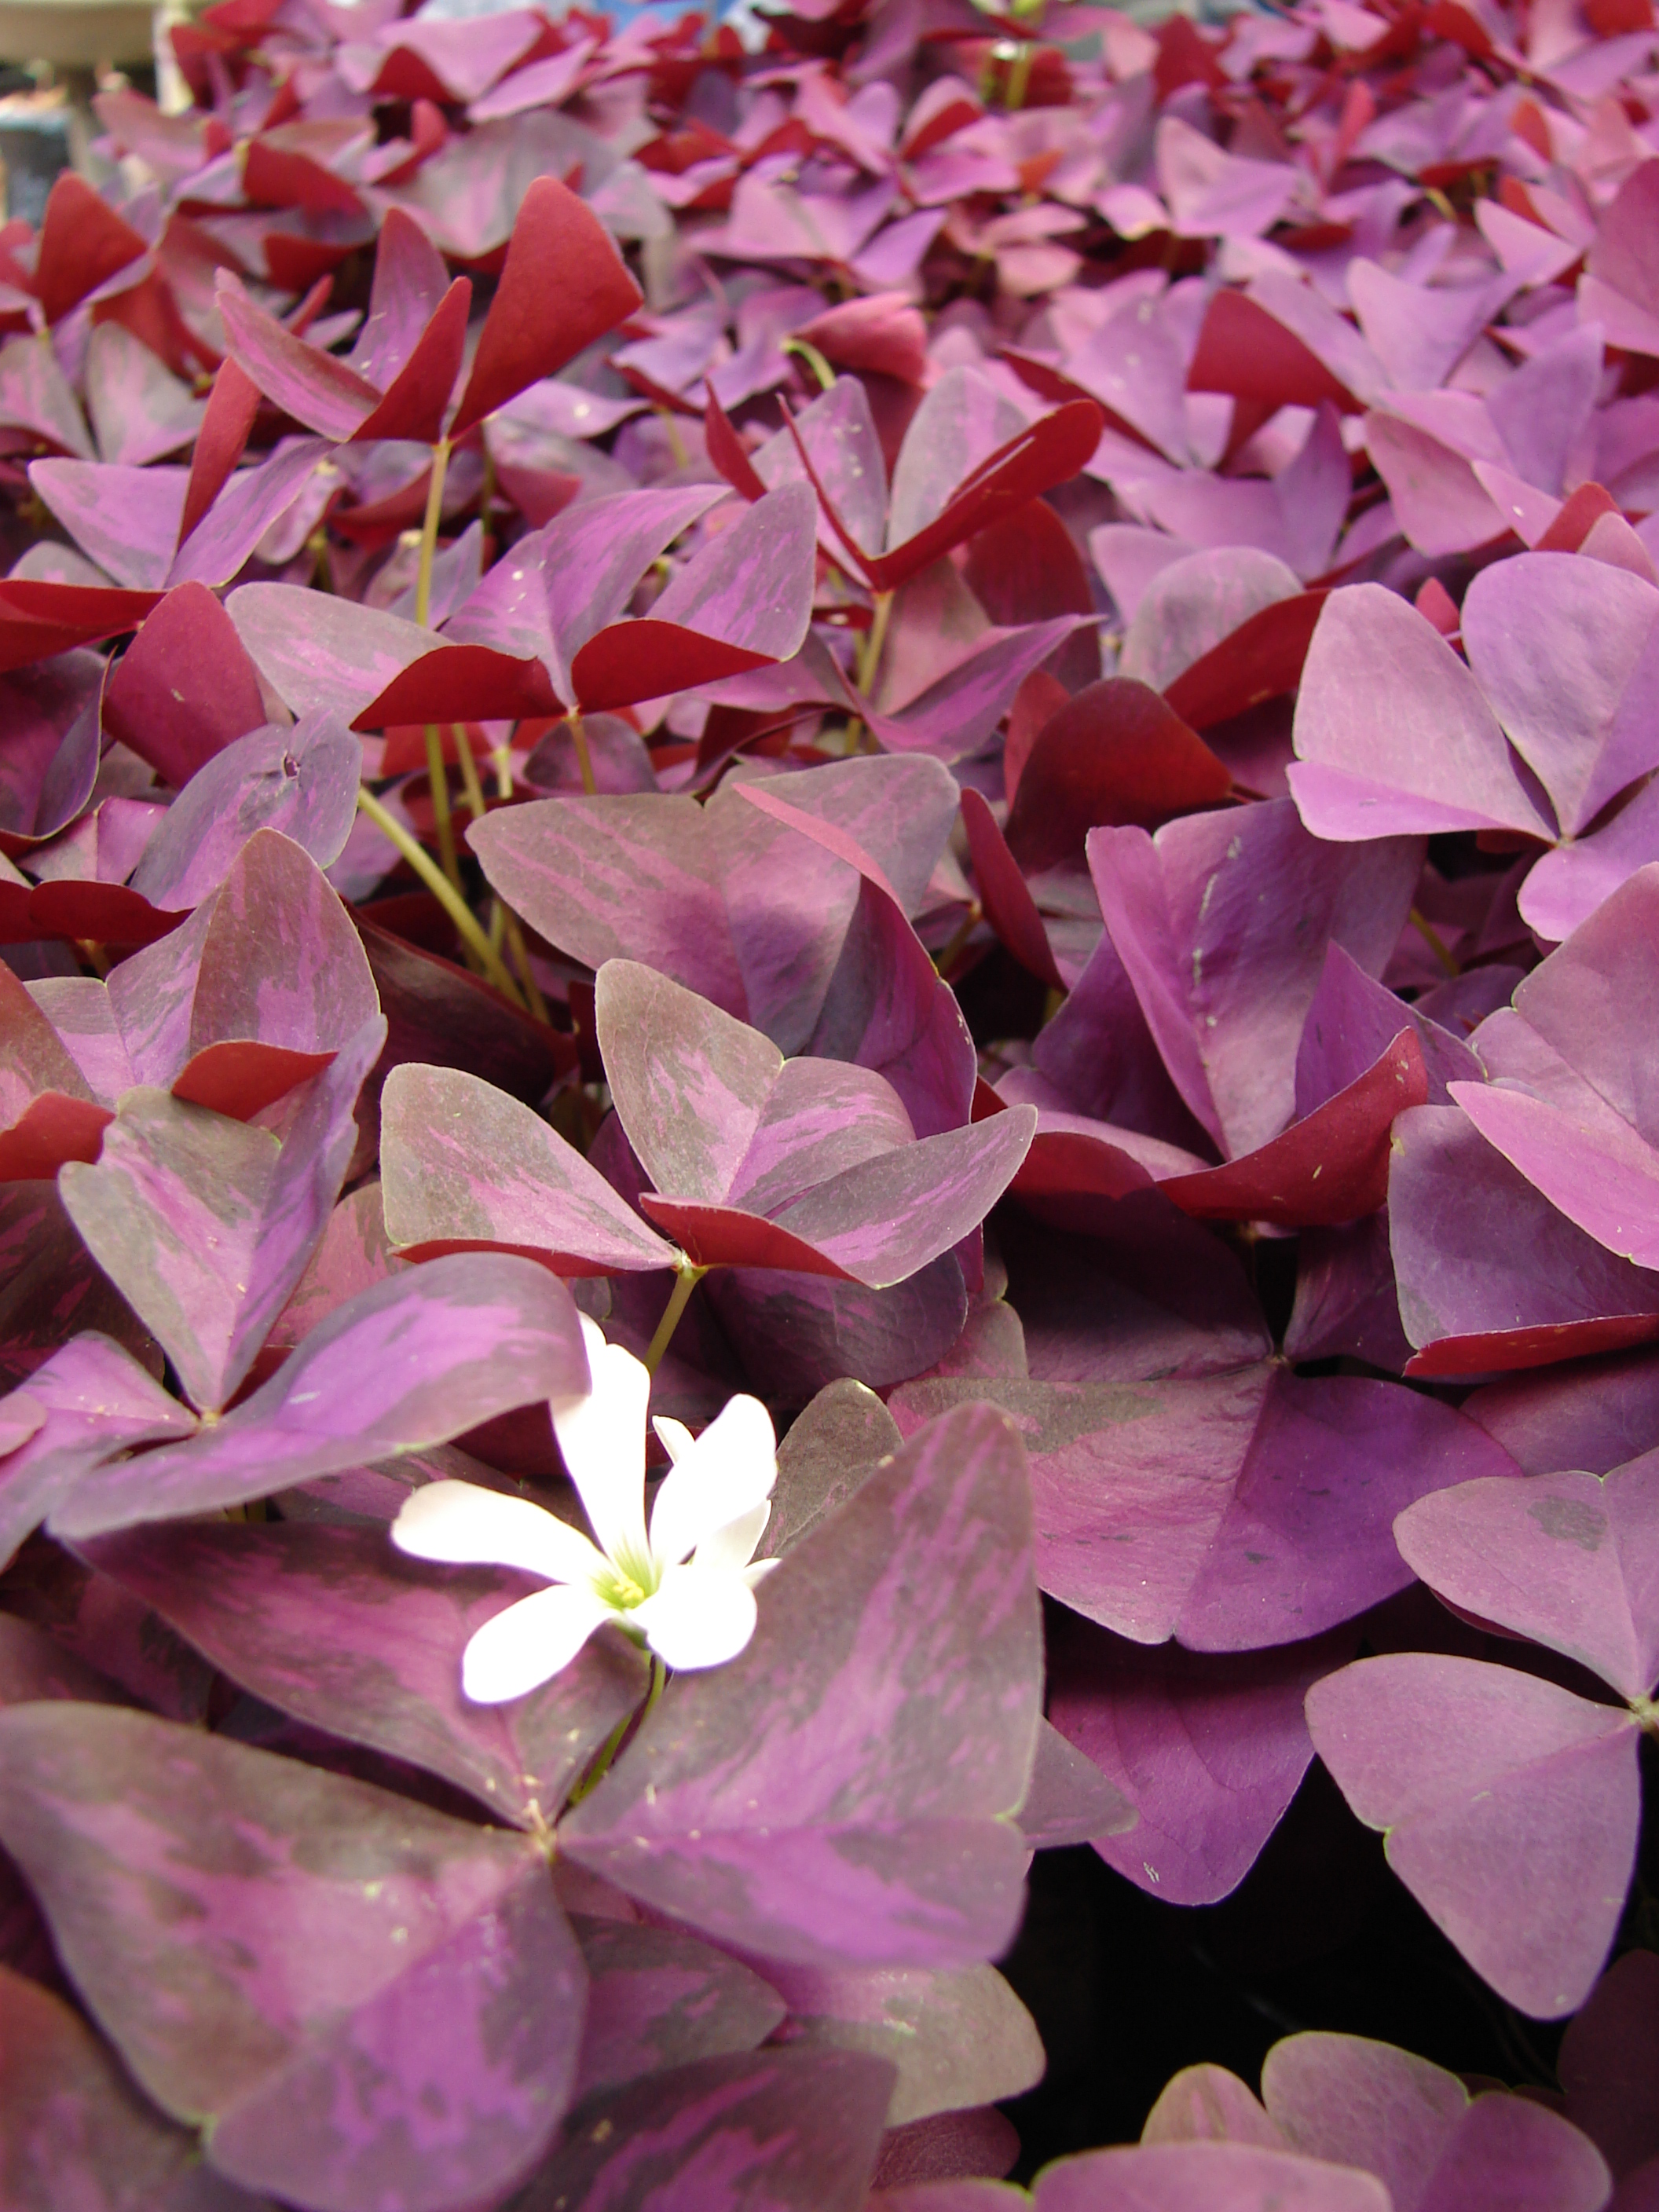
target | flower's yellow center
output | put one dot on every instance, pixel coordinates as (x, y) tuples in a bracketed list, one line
[(629, 1584)]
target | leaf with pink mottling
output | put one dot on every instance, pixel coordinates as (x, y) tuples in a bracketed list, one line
[(302, 1960), (765, 1823), (412, 1362), (206, 1224)]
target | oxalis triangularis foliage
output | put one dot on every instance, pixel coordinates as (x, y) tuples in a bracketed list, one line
[(830, 1028)]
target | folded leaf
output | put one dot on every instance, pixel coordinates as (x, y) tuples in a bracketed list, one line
[(410, 1363)]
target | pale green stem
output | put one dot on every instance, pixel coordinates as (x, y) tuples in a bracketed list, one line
[(874, 643), (520, 952), (676, 443), (475, 797), (434, 507), (687, 1276), (1434, 939), (1019, 77), (629, 1723), (467, 922), (584, 757), (437, 775), (954, 950), (806, 351)]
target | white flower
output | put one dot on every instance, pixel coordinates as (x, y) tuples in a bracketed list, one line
[(686, 1588)]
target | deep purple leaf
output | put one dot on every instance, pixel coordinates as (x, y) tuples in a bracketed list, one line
[(956, 2039), (723, 898), (464, 1168), (256, 992), (1225, 976), (1414, 2126), (658, 1998), (1394, 734), (93, 1399), (1490, 1276), (1205, 2176), (205, 1224), (301, 781), (1565, 652), (1232, 1513), (831, 1449), (1209, 1752), (74, 2128)]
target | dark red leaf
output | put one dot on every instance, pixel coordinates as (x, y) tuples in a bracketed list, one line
[(185, 688), (1331, 1166), (1244, 350), (563, 285), (232, 405), (84, 243), (1262, 658), (646, 659), (1117, 753), (1008, 904)]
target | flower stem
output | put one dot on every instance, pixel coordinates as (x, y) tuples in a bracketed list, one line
[(658, 1676), (607, 1751), (434, 507), (467, 922), (687, 1276), (437, 775), (628, 1726)]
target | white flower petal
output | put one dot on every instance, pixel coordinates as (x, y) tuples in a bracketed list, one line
[(733, 1548), (756, 1574), (602, 1440), (699, 1618), (674, 1437), (730, 1468), (463, 1525), (530, 1642)]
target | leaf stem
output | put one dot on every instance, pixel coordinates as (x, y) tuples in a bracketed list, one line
[(1436, 943), (584, 757), (805, 351), (467, 922), (687, 1276), (520, 952), (874, 643), (437, 775), (434, 507), (475, 797)]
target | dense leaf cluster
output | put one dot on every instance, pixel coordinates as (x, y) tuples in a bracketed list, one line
[(954, 715)]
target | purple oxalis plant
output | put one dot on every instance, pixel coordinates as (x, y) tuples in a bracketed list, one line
[(829, 902)]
